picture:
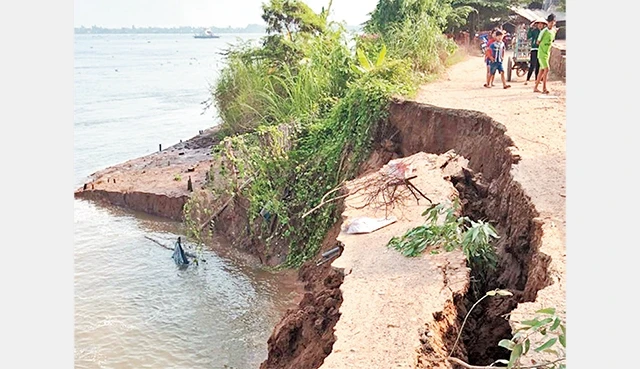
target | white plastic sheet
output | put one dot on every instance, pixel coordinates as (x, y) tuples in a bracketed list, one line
[(367, 224)]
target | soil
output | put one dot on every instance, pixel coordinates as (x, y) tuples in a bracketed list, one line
[(537, 126), (514, 142), (389, 298), (156, 184)]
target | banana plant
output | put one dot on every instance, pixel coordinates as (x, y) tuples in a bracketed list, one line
[(365, 64)]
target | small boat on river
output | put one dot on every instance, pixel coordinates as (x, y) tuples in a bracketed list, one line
[(206, 34)]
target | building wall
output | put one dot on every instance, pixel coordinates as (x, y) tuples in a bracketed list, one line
[(558, 61)]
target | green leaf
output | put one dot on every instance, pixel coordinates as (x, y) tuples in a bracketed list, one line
[(515, 355), (364, 61), (527, 344), (546, 345), (508, 344), (530, 323), (563, 340), (492, 231), (555, 325), (491, 293), (549, 311), (543, 322)]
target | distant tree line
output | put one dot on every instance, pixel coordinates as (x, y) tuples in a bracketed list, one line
[(251, 28)]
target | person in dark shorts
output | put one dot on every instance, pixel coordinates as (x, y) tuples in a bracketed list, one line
[(532, 34), (492, 38), (497, 55)]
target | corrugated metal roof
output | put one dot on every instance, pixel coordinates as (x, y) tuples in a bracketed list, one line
[(533, 14)]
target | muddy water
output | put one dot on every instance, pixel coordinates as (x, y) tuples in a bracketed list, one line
[(133, 307)]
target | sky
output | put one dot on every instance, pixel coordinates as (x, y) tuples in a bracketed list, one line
[(197, 13)]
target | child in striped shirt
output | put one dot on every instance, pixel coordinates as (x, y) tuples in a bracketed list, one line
[(496, 57)]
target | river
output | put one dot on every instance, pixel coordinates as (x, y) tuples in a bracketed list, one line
[(133, 307)]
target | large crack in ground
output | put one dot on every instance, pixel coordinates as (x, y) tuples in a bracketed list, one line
[(487, 191)]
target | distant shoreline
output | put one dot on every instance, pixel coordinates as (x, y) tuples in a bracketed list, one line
[(251, 28), (159, 30)]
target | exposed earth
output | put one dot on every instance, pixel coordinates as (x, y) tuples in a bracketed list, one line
[(537, 125), (513, 143)]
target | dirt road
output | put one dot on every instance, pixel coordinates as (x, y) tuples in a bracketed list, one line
[(537, 125)]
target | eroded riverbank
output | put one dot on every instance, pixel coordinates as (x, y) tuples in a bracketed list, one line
[(501, 184)]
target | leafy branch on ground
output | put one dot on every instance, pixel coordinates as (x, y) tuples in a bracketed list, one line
[(445, 229)]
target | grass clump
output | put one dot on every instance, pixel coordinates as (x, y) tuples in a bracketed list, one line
[(299, 112)]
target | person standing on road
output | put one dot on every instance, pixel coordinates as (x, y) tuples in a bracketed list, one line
[(532, 34), (545, 39), (487, 58), (497, 55)]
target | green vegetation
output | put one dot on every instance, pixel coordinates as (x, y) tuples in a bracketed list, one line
[(300, 112), (475, 15), (444, 229), (546, 328)]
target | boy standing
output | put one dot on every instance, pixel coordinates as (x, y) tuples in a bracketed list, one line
[(545, 39), (487, 57), (497, 54)]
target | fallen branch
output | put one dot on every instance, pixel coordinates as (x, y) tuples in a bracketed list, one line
[(469, 366), (322, 204), (226, 203), (323, 200), (169, 248)]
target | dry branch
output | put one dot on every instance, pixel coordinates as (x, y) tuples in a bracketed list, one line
[(226, 203)]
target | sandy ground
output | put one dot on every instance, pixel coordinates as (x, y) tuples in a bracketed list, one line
[(388, 298), (162, 173), (536, 123)]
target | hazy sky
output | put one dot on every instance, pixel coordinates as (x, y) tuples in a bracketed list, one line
[(219, 13)]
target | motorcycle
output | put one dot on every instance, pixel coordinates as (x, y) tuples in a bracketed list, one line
[(484, 40)]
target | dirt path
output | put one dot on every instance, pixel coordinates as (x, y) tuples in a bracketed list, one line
[(537, 126), (388, 298)]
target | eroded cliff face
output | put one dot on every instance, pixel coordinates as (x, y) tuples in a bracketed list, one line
[(488, 191), (158, 184)]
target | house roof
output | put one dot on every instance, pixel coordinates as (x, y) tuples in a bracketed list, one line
[(533, 14)]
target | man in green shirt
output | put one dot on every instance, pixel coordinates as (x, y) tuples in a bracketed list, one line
[(545, 39)]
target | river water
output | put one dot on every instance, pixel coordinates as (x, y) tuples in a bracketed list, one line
[(133, 307)]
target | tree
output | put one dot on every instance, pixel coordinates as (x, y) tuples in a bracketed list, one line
[(485, 10), (289, 17)]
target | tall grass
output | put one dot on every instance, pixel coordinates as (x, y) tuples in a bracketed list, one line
[(314, 86)]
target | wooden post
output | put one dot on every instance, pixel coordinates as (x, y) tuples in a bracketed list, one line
[(189, 185), (159, 147), (85, 187)]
